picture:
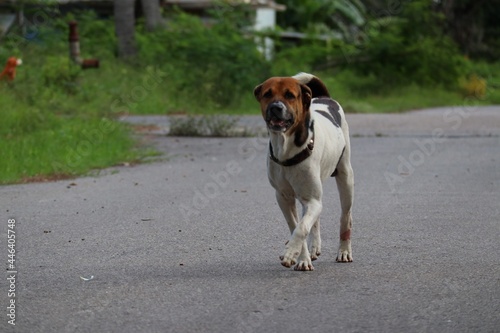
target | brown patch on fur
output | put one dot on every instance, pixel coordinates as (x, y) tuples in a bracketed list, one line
[(346, 235), (289, 91)]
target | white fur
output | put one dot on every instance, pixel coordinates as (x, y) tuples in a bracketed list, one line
[(303, 77), (304, 183)]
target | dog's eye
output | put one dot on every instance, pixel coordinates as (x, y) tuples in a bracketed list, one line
[(268, 94), (289, 95)]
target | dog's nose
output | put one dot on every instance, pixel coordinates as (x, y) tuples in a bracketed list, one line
[(276, 109)]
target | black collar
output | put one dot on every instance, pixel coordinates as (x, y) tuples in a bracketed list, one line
[(305, 153)]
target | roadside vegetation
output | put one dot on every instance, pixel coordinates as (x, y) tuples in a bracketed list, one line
[(60, 121)]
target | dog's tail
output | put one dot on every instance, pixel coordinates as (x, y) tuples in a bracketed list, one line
[(317, 87)]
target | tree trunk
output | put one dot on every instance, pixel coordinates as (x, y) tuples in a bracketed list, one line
[(465, 20), (152, 14), (125, 28)]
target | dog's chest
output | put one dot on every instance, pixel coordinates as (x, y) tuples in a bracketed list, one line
[(299, 181), (329, 144)]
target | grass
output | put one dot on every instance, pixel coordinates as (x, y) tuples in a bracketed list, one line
[(48, 134), (38, 145), (357, 98), (73, 148), (403, 99)]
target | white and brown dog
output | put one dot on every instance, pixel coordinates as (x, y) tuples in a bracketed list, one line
[(309, 142)]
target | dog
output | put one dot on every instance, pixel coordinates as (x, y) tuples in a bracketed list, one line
[(308, 142)]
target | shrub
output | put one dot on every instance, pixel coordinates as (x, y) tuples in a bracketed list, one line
[(412, 48), (216, 126), (204, 63), (304, 58), (474, 86), (60, 72)]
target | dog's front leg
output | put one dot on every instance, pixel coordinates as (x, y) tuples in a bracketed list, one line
[(287, 205), (286, 202), (297, 244)]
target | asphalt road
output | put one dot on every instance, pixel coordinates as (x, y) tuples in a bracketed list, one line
[(191, 243)]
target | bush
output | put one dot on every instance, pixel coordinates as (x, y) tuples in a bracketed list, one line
[(474, 86), (412, 48), (215, 126), (293, 59), (60, 73), (213, 65)]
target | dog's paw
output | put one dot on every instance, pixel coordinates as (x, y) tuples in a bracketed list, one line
[(292, 251), (315, 252), (288, 260), (304, 265), (345, 252), (344, 257)]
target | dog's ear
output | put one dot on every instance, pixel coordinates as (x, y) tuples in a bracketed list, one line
[(256, 92), (306, 96)]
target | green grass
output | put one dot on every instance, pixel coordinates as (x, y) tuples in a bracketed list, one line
[(402, 99), (57, 137), (37, 145), (358, 97), (73, 148)]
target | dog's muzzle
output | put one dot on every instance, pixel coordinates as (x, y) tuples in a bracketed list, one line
[(278, 118)]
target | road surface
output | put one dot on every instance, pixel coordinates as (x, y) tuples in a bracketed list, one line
[(191, 243)]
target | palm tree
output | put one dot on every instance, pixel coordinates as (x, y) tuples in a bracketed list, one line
[(125, 28), (323, 16)]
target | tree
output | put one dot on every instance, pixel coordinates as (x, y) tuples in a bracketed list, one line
[(473, 24), (412, 47), (125, 28), (152, 14), (323, 16)]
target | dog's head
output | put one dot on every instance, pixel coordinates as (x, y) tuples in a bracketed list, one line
[(284, 103)]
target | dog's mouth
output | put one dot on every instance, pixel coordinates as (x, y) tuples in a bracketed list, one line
[(278, 118), (279, 125)]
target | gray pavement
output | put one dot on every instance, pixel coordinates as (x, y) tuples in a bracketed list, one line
[(191, 243)]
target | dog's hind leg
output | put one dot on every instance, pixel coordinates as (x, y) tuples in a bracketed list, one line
[(315, 239), (345, 185)]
